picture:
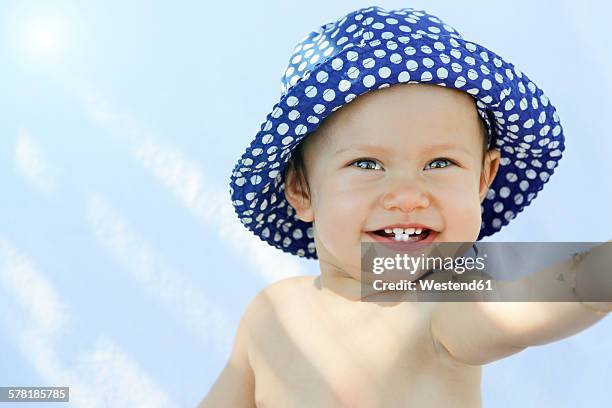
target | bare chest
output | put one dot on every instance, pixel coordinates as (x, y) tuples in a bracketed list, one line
[(333, 353)]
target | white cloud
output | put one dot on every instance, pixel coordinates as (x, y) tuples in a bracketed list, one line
[(103, 377), (31, 162), (212, 207), (209, 203), (156, 276)]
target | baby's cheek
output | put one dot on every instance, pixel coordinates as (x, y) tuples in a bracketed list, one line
[(462, 218), (339, 220)]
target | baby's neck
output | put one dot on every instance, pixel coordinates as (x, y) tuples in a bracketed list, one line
[(342, 284)]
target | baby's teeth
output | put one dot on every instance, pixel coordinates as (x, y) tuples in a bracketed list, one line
[(402, 234)]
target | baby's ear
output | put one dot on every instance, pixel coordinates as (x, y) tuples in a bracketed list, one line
[(296, 192), (489, 171)]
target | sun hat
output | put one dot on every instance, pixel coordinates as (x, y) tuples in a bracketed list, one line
[(373, 48)]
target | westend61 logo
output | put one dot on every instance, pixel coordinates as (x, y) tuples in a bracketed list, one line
[(412, 264), (402, 264), (487, 271), (400, 268)]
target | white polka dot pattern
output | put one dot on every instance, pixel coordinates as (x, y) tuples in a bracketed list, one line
[(371, 49)]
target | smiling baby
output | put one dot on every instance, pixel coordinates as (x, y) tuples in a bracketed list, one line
[(391, 128)]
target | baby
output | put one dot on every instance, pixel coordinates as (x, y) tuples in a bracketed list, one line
[(391, 127)]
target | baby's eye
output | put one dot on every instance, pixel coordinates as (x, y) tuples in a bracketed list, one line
[(439, 163), (367, 164)]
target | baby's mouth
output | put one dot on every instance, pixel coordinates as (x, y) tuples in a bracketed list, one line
[(403, 234)]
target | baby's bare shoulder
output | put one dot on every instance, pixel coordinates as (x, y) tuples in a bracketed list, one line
[(292, 285), (282, 292)]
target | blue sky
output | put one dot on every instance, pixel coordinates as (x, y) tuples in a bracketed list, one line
[(123, 272)]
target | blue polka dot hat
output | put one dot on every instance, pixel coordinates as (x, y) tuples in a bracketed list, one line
[(373, 48)]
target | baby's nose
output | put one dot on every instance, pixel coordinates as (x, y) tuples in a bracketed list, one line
[(405, 195)]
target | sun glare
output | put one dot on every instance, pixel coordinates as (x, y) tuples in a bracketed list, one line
[(44, 37)]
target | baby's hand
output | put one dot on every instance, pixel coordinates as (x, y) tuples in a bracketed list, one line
[(593, 278)]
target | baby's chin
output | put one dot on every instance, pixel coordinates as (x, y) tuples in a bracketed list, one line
[(389, 276)]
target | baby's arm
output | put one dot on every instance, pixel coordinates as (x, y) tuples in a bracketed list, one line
[(481, 332), (235, 387)]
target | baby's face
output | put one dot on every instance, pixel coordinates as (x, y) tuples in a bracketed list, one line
[(401, 155)]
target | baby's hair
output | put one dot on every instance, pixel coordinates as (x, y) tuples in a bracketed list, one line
[(297, 166)]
